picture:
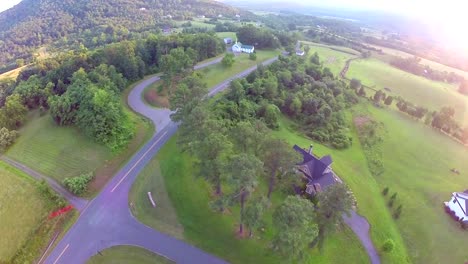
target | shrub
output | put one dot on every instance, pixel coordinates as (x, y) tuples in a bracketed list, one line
[(7, 137), (78, 185), (228, 60), (390, 203), (393, 197), (388, 245), (385, 191), (50, 195), (253, 56), (397, 213)]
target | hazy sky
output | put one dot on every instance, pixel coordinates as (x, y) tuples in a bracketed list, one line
[(5, 4)]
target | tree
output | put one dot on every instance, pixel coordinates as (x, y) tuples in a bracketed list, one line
[(176, 63), (463, 87), (248, 137), (270, 113), (242, 172), (20, 62), (355, 84), (253, 56), (13, 113), (362, 92), (278, 158), (228, 60), (315, 59), (388, 100), (378, 96), (294, 220), (306, 49), (333, 202), (7, 137), (254, 212), (187, 96)]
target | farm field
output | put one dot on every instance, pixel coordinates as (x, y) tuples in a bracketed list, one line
[(332, 57), (432, 64), (416, 89), (212, 74), (12, 74), (419, 171), (128, 255), (61, 152)]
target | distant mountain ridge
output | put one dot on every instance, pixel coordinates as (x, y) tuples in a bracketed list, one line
[(33, 23)]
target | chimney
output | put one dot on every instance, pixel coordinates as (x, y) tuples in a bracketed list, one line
[(310, 149)]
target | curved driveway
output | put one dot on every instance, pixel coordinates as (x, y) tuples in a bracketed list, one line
[(107, 220)]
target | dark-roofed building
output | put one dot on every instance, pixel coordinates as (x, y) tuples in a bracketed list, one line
[(459, 205), (317, 171)]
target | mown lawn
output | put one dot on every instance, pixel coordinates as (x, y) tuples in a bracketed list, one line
[(61, 152), (416, 89), (351, 166), (55, 151), (224, 35), (332, 57), (128, 255), (214, 232), (417, 162)]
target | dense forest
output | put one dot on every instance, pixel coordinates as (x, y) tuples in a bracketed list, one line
[(82, 87), (33, 23)]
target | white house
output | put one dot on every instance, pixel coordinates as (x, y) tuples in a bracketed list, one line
[(238, 47), (300, 52), (459, 205)]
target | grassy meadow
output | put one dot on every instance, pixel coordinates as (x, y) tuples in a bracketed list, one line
[(22, 208), (128, 255), (25, 227), (416, 89), (332, 57), (213, 75), (417, 164), (430, 63), (189, 198)]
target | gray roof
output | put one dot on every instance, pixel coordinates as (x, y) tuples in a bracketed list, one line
[(313, 168), (247, 47)]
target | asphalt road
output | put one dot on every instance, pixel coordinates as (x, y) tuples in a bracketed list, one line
[(107, 221)]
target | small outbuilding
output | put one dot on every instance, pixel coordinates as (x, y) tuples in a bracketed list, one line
[(458, 206), (227, 41)]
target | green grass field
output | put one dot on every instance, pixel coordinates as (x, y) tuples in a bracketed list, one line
[(213, 75), (223, 35), (61, 152), (351, 166), (432, 64), (332, 57), (22, 208), (416, 89), (217, 73), (214, 232), (417, 161), (128, 255)]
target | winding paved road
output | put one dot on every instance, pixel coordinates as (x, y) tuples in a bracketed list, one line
[(107, 221)]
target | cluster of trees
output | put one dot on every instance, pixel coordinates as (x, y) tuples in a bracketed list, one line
[(82, 88), (260, 37), (33, 23), (413, 65), (442, 120), (307, 93), (234, 149)]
